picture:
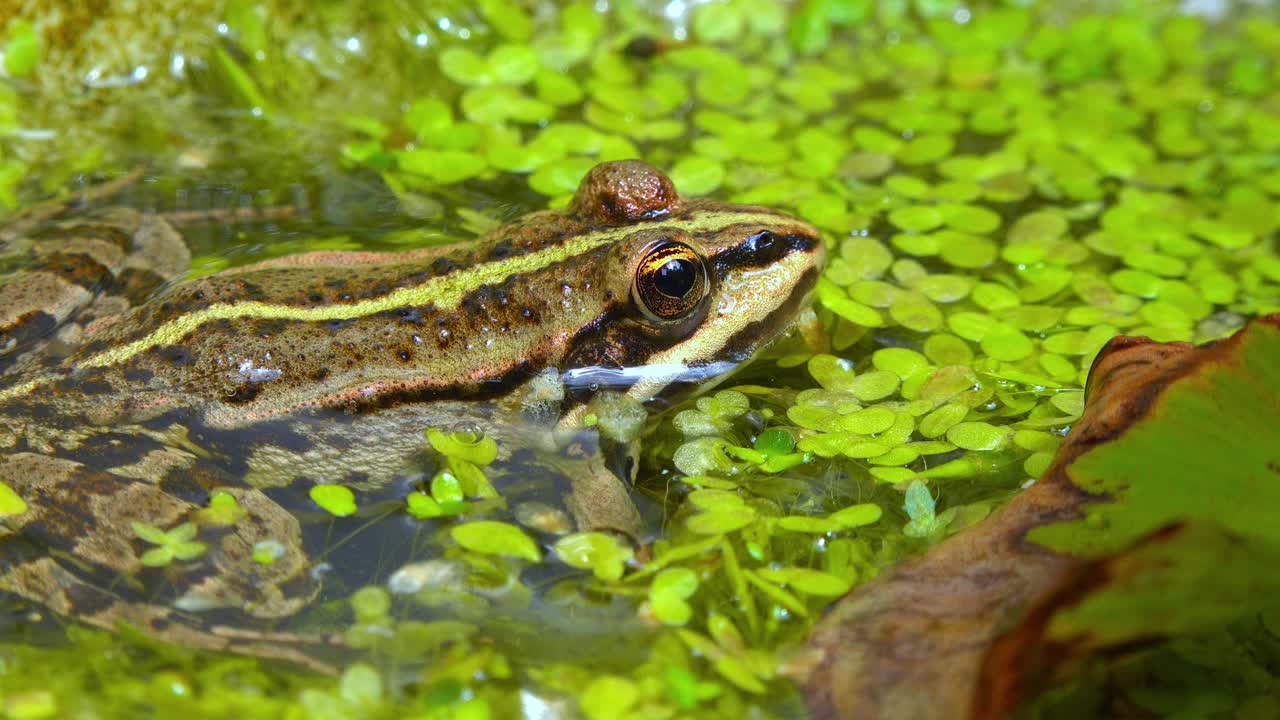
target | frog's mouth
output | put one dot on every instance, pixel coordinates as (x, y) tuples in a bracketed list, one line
[(622, 379)]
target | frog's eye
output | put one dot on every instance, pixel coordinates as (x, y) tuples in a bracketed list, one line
[(669, 281)]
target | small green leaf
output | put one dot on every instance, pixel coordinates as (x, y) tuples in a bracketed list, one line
[(775, 442), (806, 524), (157, 557), (188, 550), (808, 581), (266, 552), (443, 166), (149, 533), (224, 510), (465, 67), (605, 555), (609, 697), (496, 538), (21, 50), (423, 506), (446, 488), (10, 503), (668, 592), (337, 499), (857, 515), (695, 175), (978, 436), (721, 521), (472, 446), (513, 64)]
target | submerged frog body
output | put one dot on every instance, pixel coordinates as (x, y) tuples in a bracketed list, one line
[(127, 399)]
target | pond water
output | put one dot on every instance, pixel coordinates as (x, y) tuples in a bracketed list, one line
[(1002, 187)]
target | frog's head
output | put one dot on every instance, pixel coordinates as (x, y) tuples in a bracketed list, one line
[(695, 287)]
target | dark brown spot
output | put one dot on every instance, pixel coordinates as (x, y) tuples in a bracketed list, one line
[(336, 325), (178, 355), (501, 251), (76, 268)]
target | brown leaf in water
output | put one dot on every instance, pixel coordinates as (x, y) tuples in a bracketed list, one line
[(968, 629)]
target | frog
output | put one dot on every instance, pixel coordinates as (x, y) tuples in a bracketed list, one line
[(132, 395)]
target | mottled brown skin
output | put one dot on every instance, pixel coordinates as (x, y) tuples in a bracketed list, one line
[(325, 368)]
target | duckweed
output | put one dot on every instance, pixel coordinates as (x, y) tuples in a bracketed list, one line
[(177, 544), (491, 537), (337, 500), (223, 510), (10, 502)]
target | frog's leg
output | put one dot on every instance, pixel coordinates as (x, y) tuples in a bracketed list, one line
[(76, 551), (105, 260), (598, 498)]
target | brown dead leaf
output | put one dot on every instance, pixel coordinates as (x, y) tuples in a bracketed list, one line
[(959, 631)]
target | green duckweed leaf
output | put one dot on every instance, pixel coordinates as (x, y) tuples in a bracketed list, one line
[(157, 557), (443, 166), (512, 64), (472, 446), (669, 591), (609, 697), (938, 422), (775, 442), (902, 362), (338, 500), (969, 218), (446, 488), (560, 177), (874, 385), (703, 456), (496, 538), (1007, 343), (10, 502), (857, 515), (223, 510), (718, 522), (867, 421), (267, 552), (149, 533), (807, 581), (21, 49), (978, 436), (946, 349), (835, 300), (696, 175), (917, 218), (604, 555), (717, 21), (510, 19), (832, 372), (465, 67)]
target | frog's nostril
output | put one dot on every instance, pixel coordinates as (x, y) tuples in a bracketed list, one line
[(765, 242)]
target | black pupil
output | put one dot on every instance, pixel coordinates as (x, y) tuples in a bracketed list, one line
[(676, 278)]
